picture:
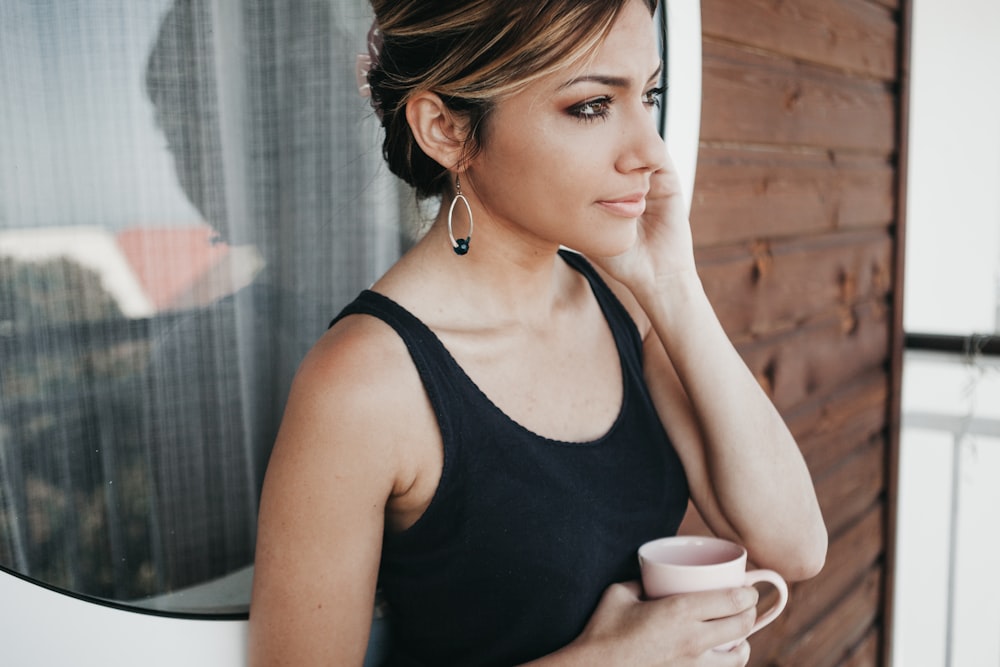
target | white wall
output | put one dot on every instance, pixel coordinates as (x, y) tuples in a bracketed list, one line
[(947, 584), (947, 592), (953, 202)]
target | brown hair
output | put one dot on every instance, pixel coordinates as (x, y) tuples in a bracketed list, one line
[(471, 53)]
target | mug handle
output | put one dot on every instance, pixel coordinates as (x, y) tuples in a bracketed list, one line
[(773, 578)]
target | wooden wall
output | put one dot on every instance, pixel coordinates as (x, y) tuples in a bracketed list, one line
[(796, 217)]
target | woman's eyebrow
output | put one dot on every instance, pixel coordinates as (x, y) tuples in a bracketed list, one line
[(611, 81)]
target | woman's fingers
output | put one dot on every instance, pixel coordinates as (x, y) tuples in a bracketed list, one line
[(738, 656), (724, 632), (722, 617), (676, 630), (718, 604)]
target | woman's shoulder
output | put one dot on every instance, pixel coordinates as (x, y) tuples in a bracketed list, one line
[(357, 402), (355, 374), (359, 355)]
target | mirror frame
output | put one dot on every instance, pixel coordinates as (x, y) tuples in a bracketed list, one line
[(681, 23)]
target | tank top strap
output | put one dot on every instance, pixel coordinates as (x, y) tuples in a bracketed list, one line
[(626, 334), (435, 365)]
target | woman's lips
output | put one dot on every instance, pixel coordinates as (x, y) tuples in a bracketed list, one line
[(632, 207)]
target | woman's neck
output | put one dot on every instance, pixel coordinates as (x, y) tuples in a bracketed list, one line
[(505, 277)]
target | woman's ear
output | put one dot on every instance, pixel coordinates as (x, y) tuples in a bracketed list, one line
[(436, 129)]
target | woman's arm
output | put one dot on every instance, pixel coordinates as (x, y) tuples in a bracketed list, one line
[(747, 476), (332, 471)]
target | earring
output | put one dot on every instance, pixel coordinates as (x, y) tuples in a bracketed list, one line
[(461, 246)]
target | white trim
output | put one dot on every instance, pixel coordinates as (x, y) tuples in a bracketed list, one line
[(43, 627), (683, 124), (94, 248)]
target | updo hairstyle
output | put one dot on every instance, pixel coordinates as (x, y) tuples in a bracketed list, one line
[(471, 53)]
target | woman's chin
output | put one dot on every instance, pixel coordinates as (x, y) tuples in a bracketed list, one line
[(612, 244)]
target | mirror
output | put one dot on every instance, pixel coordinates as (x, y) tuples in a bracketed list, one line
[(101, 210)]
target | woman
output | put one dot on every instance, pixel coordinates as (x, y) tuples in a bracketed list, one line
[(492, 430)]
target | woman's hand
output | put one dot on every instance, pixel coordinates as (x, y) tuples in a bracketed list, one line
[(676, 631), (663, 247)]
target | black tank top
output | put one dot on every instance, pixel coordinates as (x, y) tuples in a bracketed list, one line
[(524, 533)]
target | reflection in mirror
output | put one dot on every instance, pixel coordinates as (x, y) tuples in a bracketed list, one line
[(190, 190)]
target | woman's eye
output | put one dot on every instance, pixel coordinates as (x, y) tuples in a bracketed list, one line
[(654, 97), (592, 109)]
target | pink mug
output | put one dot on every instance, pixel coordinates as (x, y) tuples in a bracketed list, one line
[(688, 564)]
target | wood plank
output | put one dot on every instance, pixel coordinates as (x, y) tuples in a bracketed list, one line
[(856, 550), (850, 558), (891, 4), (833, 639), (848, 491), (867, 652), (762, 288), (742, 194), (831, 426), (811, 361), (749, 97), (852, 35), (793, 215)]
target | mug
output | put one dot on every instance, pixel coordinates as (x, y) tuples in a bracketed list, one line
[(688, 564)]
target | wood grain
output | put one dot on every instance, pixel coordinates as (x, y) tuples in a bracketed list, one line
[(756, 98), (796, 218), (851, 557), (867, 653), (843, 629), (764, 288), (832, 425), (811, 361), (849, 490), (839, 634), (743, 194), (851, 35)]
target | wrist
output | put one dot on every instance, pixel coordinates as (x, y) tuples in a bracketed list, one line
[(579, 653), (673, 291)]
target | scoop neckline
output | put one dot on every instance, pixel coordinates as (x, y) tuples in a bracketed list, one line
[(620, 416)]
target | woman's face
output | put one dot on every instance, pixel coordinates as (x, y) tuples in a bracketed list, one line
[(568, 159)]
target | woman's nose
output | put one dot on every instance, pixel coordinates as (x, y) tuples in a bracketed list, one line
[(643, 149)]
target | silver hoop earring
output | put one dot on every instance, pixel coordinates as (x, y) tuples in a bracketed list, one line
[(460, 246)]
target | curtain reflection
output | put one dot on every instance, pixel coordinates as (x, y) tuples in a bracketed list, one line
[(146, 345)]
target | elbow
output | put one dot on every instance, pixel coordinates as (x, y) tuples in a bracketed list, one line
[(806, 567), (806, 559), (803, 555), (796, 558)]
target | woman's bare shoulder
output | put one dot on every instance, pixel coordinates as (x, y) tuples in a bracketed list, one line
[(359, 344), (359, 370), (358, 414)]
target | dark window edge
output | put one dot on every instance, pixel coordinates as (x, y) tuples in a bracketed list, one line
[(133, 608), (971, 345)]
